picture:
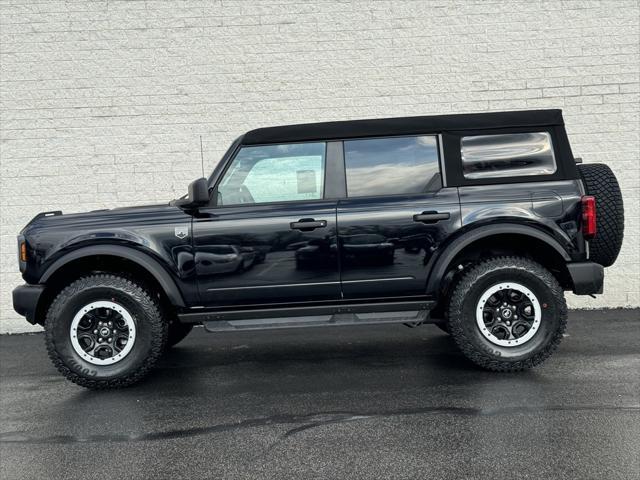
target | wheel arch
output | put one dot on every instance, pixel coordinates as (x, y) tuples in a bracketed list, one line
[(121, 259), (498, 237)]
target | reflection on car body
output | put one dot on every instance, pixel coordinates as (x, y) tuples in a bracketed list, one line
[(367, 248), (316, 252), (417, 242), (215, 259), (184, 260)]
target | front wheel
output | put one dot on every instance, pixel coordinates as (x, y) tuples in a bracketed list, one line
[(105, 331), (507, 314)]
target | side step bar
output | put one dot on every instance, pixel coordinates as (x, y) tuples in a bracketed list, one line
[(312, 316)]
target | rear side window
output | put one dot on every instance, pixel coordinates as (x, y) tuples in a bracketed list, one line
[(507, 155), (391, 166)]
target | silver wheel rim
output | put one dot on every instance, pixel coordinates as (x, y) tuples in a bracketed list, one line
[(102, 333), (508, 314)]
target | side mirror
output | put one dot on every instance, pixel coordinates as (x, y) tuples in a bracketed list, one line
[(198, 195)]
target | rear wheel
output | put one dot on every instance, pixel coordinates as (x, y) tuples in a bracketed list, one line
[(507, 314), (105, 331)]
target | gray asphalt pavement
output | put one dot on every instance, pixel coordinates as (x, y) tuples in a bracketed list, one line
[(367, 402)]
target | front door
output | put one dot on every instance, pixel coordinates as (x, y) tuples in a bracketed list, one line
[(395, 215), (271, 235)]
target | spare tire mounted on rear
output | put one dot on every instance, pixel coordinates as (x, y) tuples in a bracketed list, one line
[(599, 181)]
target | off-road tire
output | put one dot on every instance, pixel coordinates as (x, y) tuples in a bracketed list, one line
[(465, 298), (147, 315), (177, 332), (599, 181), (444, 326)]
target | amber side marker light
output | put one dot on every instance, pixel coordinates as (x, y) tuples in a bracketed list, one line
[(23, 251)]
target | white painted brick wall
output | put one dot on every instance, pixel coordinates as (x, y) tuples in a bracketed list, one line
[(102, 102)]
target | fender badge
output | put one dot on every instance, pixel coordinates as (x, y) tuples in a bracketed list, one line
[(182, 231)]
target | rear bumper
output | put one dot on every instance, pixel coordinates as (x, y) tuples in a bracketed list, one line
[(587, 277), (25, 301)]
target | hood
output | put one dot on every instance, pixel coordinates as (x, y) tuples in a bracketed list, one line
[(149, 228), (114, 216)]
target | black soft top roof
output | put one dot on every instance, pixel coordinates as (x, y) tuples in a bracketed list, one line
[(402, 126)]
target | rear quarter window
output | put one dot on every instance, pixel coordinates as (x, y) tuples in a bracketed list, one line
[(507, 155)]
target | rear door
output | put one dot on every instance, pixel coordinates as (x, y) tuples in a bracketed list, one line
[(271, 235), (395, 216)]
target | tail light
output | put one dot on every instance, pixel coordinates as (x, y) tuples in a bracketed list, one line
[(588, 217)]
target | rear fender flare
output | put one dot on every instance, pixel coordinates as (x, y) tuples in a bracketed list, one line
[(441, 264)]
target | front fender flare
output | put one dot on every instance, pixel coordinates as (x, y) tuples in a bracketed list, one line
[(439, 268), (150, 264)]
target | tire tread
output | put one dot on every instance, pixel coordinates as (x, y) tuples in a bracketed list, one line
[(147, 302), (456, 316)]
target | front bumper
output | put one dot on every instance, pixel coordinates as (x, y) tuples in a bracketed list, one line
[(25, 301), (587, 277)]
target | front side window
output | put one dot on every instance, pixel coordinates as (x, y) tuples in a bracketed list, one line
[(274, 173), (391, 166), (507, 155)]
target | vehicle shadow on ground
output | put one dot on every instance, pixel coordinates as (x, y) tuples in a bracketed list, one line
[(257, 363), (433, 352)]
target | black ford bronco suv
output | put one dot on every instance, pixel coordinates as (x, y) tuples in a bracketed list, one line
[(477, 223)]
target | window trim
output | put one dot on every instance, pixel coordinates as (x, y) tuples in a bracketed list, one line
[(439, 163), (452, 142), (335, 176), (443, 170), (221, 166)]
